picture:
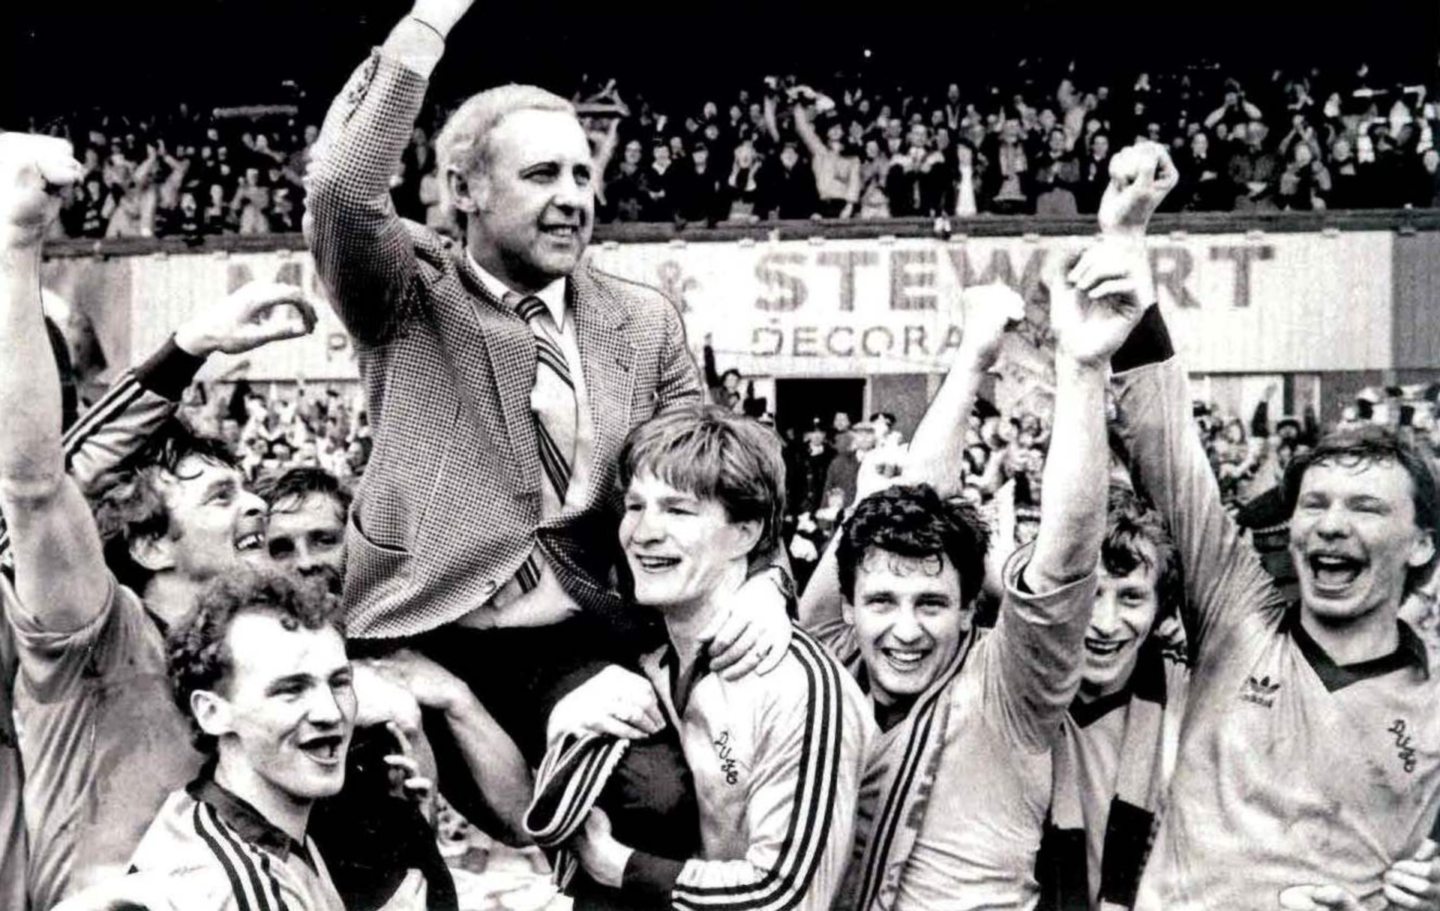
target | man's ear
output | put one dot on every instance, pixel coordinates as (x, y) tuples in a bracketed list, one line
[(469, 193), (154, 552), (1422, 551), (747, 535), (212, 712), (967, 616)]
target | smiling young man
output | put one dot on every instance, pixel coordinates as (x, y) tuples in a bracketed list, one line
[(260, 670), (1121, 732), (1310, 750), (776, 759), (955, 797)]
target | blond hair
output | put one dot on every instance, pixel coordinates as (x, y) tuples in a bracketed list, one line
[(464, 142)]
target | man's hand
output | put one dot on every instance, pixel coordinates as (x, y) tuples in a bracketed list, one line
[(1414, 884), (599, 853), (752, 633), (432, 686), (380, 700), (881, 468), (989, 311), (614, 702), (405, 775), (1103, 297), (34, 171), (254, 314), (1140, 178)]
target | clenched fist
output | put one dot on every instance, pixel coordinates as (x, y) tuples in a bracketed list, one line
[(1141, 176), (33, 171), (441, 14), (989, 311)]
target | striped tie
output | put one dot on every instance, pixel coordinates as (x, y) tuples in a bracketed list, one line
[(553, 401)]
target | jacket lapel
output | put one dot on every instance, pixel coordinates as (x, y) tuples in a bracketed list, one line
[(510, 348), (607, 359)]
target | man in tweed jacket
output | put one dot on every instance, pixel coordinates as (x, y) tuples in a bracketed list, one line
[(450, 507)]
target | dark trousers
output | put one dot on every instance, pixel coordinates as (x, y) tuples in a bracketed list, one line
[(369, 838), (519, 674)]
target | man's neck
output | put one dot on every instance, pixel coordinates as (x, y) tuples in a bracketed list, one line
[(489, 259), (171, 596), (892, 710), (685, 624), (282, 811), (1374, 635)]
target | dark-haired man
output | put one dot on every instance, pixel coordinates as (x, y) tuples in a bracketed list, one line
[(259, 669), (305, 533), (306, 527), (1311, 748), (955, 797)]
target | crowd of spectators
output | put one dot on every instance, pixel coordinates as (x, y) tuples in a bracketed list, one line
[(1297, 141), (841, 148), (285, 426), (186, 175)]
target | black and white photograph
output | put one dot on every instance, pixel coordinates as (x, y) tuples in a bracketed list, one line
[(463, 456)]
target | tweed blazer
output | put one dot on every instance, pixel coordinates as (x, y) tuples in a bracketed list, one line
[(450, 504)]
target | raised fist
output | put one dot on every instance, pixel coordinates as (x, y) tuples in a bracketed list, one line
[(33, 171), (1141, 176), (441, 14), (989, 310)]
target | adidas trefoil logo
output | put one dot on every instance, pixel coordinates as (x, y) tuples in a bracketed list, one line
[(1260, 691)]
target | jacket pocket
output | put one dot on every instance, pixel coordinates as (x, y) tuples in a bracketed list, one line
[(372, 565)]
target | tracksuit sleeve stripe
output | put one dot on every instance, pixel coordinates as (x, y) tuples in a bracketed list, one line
[(571, 778), (203, 829), (583, 796), (812, 815), (113, 405)]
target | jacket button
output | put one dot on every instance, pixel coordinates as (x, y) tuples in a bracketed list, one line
[(488, 586)]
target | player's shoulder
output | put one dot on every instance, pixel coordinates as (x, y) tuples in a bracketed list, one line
[(177, 839), (808, 670)]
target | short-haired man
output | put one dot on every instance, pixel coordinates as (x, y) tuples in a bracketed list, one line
[(305, 531), (1121, 732), (776, 759), (89, 650), (259, 669), (956, 793), (1308, 751), (495, 442)]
